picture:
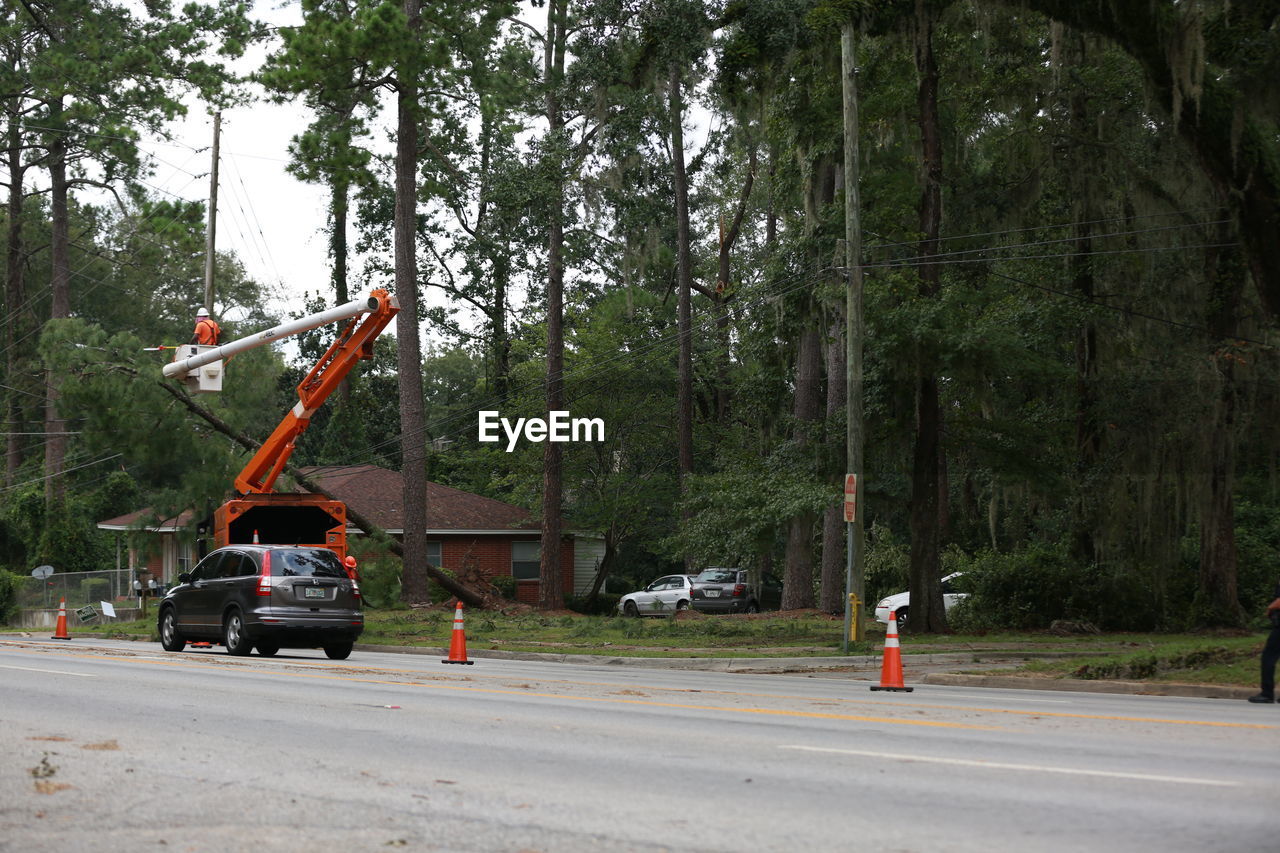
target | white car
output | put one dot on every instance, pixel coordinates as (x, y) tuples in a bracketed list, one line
[(663, 597), (902, 600)]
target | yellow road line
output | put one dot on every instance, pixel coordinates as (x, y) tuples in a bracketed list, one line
[(569, 697), (224, 662)]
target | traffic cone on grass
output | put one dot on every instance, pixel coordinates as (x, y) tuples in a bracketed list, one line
[(458, 645), (60, 631), (891, 666)]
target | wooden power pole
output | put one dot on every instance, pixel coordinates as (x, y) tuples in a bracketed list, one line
[(854, 435), (211, 231)]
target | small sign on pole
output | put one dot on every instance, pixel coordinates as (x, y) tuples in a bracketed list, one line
[(850, 497), (86, 613), (108, 609)]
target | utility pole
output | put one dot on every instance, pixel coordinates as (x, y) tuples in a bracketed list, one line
[(853, 333), (211, 231)]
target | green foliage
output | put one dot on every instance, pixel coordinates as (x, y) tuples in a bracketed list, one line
[(1258, 543), (114, 390), (505, 585), (736, 515), (379, 572), (884, 566), (93, 590), (8, 595), (605, 604), (1030, 588), (436, 591)]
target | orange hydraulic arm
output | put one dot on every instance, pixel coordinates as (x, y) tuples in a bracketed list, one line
[(355, 342)]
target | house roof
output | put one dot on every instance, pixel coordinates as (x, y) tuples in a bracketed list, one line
[(144, 519), (378, 494)]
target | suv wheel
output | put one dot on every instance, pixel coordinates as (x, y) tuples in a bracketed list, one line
[(339, 651), (234, 636), (267, 649), (170, 639), (751, 607)]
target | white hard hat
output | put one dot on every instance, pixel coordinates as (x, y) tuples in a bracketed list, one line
[(202, 311)]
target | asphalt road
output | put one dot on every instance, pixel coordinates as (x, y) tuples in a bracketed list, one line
[(119, 746)]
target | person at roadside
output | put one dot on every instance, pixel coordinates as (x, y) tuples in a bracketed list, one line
[(1270, 653), (350, 564), (207, 332)]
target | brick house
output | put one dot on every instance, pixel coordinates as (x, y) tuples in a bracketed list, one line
[(499, 538)]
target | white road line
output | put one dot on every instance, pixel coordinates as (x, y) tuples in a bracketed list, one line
[(986, 697), (1039, 768), (54, 671)]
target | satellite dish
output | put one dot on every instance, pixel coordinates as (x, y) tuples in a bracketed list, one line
[(41, 572)]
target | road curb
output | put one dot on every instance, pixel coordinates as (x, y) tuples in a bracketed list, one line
[(692, 663), (1136, 688)]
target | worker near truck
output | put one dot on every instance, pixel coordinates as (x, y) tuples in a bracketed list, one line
[(207, 332), (350, 564)]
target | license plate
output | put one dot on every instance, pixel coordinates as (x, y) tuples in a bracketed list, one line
[(711, 593), (313, 592)]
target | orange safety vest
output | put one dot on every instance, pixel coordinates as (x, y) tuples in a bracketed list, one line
[(207, 332)]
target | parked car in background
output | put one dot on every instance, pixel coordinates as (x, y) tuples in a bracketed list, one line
[(663, 597), (901, 602), (265, 596), (720, 590)]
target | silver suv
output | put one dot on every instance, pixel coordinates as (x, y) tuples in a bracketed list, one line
[(268, 596), (718, 590)]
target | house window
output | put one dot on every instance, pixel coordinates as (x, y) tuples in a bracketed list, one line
[(435, 554), (526, 560)]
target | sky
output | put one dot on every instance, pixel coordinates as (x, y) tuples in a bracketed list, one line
[(273, 222)]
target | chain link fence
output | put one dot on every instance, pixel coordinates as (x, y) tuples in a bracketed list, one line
[(79, 588)]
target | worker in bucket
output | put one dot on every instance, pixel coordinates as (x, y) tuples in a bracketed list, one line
[(207, 331), (350, 564)]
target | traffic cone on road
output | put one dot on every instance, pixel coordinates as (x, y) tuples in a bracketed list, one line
[(891, 666), (458, 645), (60, 631)]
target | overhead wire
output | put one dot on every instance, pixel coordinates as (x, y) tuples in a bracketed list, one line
[(1073, 224)]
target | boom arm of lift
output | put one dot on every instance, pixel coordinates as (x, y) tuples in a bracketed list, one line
[(354, 343)]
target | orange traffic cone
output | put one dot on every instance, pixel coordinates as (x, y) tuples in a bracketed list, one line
[(60, 632), (458, 645), (891, 666)]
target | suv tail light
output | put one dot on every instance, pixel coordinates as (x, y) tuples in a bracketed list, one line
[(739, 590), (355, 588), (264, 580)]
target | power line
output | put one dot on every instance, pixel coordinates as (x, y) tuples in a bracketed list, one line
[(928, 260), (61, 473), (916, 242)]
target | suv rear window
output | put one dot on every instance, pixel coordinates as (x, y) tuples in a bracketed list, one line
[(717, 576), (320, 562)]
